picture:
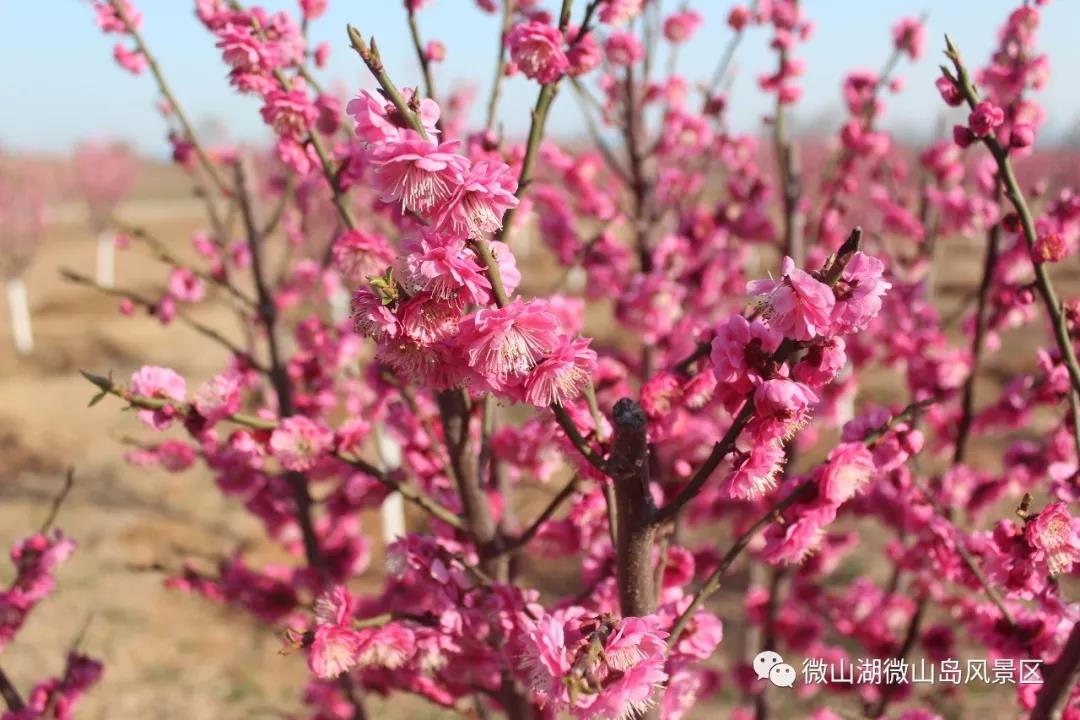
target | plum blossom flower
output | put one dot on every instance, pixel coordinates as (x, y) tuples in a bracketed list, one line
[(536, 48), (783, 404), (909, 35), (445, 268), (623, 48), (681, 26), (985, 118), (754, 472), (313, 9), (796, 305), (186, 286), (742, 351), (479, 202), (849, 468), (858, 293), (1055, 535), (595, 668), (1049, 247), (359, 255), (378, 121), (131, 60), (371, 317), (584, 56), (508, 342), (419, 174), (218, 397), (560, 376), (161, 383), (110, 21), (290, 112), (333, 651), (620, 12), (298, 442)]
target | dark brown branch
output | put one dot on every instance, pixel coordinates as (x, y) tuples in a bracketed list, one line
[(1058, 678), (11, 695), (278, 373), (967, 415), (910, 637), (629, 467)]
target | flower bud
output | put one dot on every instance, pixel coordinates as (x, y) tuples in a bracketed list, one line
[(1022, 136)]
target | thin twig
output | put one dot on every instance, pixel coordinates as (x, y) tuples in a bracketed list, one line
[(409, 492), (525, 537), (54, 509), (1016, 196), (11, 695), (181, 315)]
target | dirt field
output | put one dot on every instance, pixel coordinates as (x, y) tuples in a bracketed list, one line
[(168, 655)]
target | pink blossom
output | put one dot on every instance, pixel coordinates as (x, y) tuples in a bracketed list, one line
[(681, 26), (360, 255), (536, 48), (389, 646), (620, 12), (377, 120), (419, 174), (560, 376), (626, 675), (797, 305), (186, 286), (478, 203), (623, 48), (435, 51), (218, 397), (1049, 247), (131, 60), (445, 268), (506, 343), (985, 118), (428, 320), (785, 403), (110, 21), (858, 293), (334, 651), (299, 442), (290, 112), (372, 318), (159, 383), (849, 468), (1055, 535), (738, 18), (1021, 136), (949, 92), (584, 56), (313, 9), (821, 362), (909, 35), (334, 607), (742, 352), (754, 473)]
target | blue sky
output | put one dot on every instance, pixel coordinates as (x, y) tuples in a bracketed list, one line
[(61, 85)]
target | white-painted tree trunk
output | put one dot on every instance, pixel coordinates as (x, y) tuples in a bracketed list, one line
[(19, 311), (392, 511), (106, 259)]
